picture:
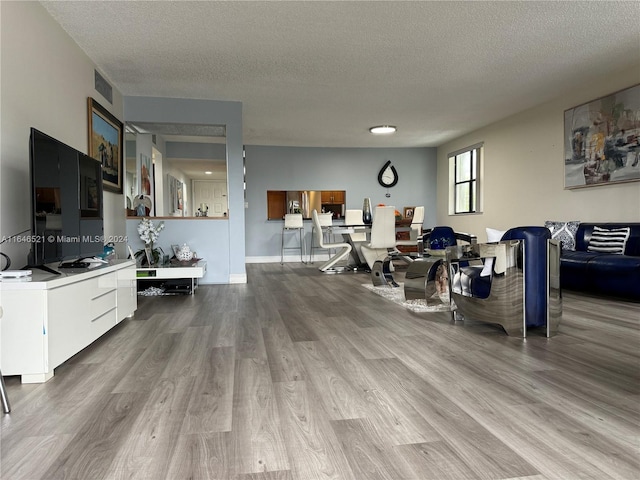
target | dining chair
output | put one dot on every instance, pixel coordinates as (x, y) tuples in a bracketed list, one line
[(342, 249), (383, 239), (354, 217), (293, 222), (415, 235), (416, 229), (326, 220)]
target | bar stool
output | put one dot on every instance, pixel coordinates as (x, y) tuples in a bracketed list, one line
[(326, 220), (293, 222)]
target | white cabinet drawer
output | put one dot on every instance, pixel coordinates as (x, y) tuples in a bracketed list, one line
[(102, 304), (103, 323), (102, 283)]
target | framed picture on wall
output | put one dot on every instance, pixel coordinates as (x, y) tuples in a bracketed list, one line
[(601, 140), (175, 195), (105, 144), (180, 196), (408, 212)]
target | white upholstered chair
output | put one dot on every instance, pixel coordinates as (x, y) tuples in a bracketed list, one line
[(326, 220), (415, 234), (354, 217), (383, 235), (293, 222), (342, 249), (416, 228)]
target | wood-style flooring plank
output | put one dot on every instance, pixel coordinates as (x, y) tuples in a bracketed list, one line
[(338, 396), (258, 444), (189, 358), (201, 456), (475, 445), (150, 365), (17, 462), (249, 341), (284, 363), (363, 447), (311, 442), (145, 453), (92, 450), (211, 398), (435, 461)]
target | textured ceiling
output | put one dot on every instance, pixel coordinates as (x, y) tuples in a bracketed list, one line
[(320, 73)]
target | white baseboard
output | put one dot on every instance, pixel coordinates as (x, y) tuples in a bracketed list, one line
[(238, 278)]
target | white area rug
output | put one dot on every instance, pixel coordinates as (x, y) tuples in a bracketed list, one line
[(396, 295)]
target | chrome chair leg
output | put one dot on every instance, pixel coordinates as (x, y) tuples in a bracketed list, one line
[(6, 407), (381, 273), (303, 246)]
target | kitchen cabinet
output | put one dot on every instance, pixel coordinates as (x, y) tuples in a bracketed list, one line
[(332, 197)]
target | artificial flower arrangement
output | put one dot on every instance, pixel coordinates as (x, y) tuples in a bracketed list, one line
[(149, 234)]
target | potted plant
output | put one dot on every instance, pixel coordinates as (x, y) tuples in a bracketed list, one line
[(149, 234)]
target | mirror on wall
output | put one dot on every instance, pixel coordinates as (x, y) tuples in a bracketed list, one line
[(281, 202), (175, 170)]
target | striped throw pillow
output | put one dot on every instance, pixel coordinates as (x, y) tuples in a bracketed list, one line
[(608, 241)]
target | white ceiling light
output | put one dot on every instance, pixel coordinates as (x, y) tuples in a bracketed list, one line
[(208, 172), (383, 129)]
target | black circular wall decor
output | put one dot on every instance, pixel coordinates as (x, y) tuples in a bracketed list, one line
[(388, 175)]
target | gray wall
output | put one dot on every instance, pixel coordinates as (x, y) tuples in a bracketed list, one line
[(203, 237), (354, 170), (208, 112)]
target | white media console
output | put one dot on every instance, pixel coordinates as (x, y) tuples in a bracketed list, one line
[(49, 318)]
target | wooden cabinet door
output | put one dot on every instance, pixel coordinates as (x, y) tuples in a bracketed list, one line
[(276, 204), (332, 197)]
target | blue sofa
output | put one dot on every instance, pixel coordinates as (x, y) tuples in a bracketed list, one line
[(606, 274)]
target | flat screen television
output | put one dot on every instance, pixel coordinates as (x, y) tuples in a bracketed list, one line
[(66, 202)]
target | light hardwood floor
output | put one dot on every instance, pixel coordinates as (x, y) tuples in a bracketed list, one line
[(301, 375)]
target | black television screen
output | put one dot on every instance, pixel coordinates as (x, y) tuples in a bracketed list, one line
[(66, 199)]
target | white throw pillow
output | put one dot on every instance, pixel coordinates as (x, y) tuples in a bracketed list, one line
[(493, 235)]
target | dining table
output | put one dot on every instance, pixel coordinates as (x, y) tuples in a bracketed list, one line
[(358, 262)]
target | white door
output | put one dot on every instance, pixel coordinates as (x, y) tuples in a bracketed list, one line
[(211, 193)]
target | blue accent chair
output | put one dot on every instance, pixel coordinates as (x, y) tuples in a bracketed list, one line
[(441, 237), (514, 283)]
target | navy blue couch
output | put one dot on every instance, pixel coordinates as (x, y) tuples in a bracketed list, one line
[(602, 273)]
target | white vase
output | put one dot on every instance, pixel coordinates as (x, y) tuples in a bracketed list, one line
[(184, 254)]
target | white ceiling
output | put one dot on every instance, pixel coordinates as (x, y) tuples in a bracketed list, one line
[(314, 73)]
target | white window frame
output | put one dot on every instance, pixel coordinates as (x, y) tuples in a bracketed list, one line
[(478, 151)]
